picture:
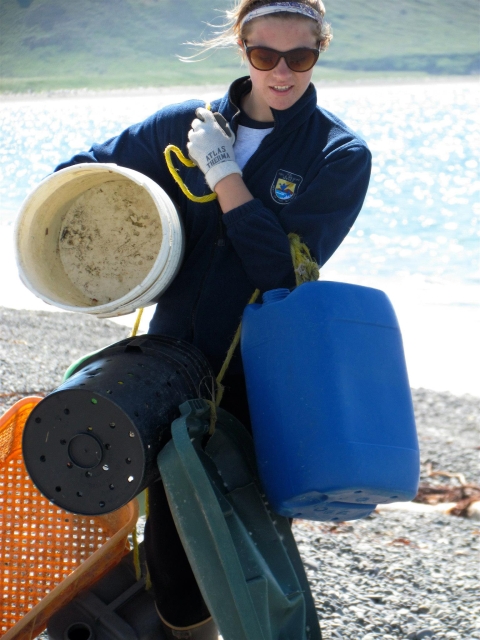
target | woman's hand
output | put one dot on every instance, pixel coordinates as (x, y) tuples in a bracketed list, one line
[(210, 146)]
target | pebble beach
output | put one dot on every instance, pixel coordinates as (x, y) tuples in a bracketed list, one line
[(394, 574)]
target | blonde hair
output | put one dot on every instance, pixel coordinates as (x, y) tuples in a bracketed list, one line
[(232, 30)]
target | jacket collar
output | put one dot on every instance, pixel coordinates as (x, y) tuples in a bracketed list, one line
[(285, 121)]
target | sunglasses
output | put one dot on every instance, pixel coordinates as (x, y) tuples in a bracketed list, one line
[(265, 59)]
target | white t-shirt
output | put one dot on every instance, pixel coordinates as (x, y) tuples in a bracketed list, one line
[(247, 142)]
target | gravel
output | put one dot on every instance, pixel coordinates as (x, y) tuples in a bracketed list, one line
[(36, 348), (391, 575), (394, 575)]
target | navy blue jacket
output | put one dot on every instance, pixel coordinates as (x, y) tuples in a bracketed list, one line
[(308, 176)]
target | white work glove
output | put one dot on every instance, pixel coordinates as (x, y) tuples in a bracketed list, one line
[(211, 146)]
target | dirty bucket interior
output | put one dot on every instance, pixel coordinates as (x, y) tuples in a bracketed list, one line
[(96, 237)]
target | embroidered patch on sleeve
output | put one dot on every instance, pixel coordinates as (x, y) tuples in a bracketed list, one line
[(285, 186)]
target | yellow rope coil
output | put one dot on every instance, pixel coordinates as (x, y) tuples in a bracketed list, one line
[(171, 148), (137, 323), (230, 352), (305, 267)]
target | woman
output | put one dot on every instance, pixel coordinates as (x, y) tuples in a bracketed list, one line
[(280, 165)]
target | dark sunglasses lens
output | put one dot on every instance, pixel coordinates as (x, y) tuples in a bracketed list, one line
[(301, 59), (263, 59)]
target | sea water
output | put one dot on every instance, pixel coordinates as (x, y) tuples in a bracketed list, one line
[(417, 236)]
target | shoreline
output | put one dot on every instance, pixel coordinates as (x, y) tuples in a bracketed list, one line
[(139, 92)]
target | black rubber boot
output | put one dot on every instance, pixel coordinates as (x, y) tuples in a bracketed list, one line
[(205, 630), (175, 588)]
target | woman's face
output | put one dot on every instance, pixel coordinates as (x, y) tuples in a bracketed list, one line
[(281, 87)]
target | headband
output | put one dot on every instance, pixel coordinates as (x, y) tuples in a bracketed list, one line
[(283, 7)]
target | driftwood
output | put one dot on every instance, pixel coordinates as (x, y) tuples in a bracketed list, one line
[(463, 495)]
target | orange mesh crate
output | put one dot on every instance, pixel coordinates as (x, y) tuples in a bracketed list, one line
[(47, 555)]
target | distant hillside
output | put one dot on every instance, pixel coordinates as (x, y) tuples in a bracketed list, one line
[(48, 44)]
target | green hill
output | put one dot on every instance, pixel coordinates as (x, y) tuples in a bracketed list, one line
[(52, 44)]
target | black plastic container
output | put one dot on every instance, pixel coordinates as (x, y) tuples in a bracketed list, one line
[(91, 445), (117, 607)]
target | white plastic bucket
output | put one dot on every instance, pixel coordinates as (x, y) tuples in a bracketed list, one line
[(98, 239)]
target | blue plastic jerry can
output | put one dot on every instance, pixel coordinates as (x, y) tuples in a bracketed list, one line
[(330, 402)]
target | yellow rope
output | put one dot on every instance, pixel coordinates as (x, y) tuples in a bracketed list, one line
[(137, 323), (306, 269), (171, 148), (229, 356), (213, 416), (136, 550)]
